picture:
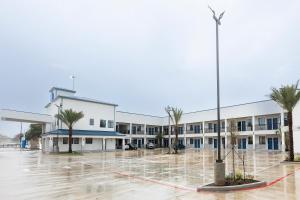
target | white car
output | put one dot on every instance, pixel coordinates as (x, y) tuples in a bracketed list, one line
[(150, 145)]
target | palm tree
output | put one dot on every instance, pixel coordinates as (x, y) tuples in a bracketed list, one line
[(287, 97), (175, 117), (69, 118)]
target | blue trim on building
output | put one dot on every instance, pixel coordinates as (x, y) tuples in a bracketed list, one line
[(85, 133)]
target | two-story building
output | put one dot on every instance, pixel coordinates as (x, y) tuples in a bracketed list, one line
[(258, 125)]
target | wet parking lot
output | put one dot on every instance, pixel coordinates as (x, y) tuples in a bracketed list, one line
[(141, 174)]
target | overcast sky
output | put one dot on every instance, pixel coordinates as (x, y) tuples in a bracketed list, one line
[(145, 54)]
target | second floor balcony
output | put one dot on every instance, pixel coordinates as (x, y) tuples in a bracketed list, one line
[(261, 127)]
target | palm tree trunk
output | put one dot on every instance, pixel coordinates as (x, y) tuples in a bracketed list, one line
[(70, 139), (291, 138), (176, 139)]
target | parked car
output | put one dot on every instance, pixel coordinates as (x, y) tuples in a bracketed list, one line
[(150, 145), (130, 147), (179, 146)]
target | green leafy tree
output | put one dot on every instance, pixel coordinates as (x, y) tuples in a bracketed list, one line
[(69, 118), (176, 117), (287, 97), (34, 132)]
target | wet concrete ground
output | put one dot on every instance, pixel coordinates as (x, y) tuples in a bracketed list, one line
[(142, 174)]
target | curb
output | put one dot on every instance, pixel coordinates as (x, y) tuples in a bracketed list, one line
[(290, 162), (209, 188)]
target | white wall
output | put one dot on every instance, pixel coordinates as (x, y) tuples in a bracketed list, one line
[(90, 110), (238, 111), (296, 122), (134, 118)]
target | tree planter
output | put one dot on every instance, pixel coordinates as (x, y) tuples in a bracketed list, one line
[(213, 188)]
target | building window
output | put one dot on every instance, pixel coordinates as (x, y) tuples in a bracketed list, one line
[(103, 123), (110, 123), (261, 121), (92, 122), (191, 127), (286, 120), (65, 140), (191, 141), (262, 140), (250, 140), (139, 128), (75, 140), (89, 140), (210, 140)]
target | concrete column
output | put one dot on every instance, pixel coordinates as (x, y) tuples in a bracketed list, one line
[(203, 133), (145, 135), (82, 143), (282, 131), (184, 134), (253, 129), (226, 139), (103, 144), (51, 144), (162, 140), (130, 132), (123, 143)]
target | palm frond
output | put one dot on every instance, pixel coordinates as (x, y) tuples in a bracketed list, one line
[(286, 96), (69, 117)]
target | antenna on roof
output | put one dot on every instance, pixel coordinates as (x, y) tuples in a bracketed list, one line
[(73, 79)]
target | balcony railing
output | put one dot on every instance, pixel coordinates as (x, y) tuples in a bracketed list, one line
[(138, 132), (212, 130), (261, 127), (194, 131)]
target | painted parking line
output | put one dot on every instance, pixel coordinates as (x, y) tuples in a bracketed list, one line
[(174, 186)]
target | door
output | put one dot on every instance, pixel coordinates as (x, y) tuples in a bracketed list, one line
[(215, 143), (139, 143), (275, 123), (223, 142), (197, 143), (269, 124), (166, 142), (270, 144), (244, 143), (275, 143)]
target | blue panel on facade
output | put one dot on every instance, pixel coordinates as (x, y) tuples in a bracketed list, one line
[(85, 132)]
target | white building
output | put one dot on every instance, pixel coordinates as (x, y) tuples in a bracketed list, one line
[(259, 125)]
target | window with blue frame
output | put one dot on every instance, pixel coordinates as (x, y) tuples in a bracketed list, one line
[(275, 123), (210, 127), (180, 130), (286, 123), (269, 124), (197, 129), (191, 127)]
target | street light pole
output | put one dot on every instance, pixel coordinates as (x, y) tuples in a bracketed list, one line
[(59, 107), (168, 110), (220, 166)]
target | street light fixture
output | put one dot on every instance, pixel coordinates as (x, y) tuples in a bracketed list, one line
[(219, 166)]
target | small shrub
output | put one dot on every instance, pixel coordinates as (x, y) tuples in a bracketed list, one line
[(239, 176)]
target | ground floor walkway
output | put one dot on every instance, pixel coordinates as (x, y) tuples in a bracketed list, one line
[(141, 174)]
